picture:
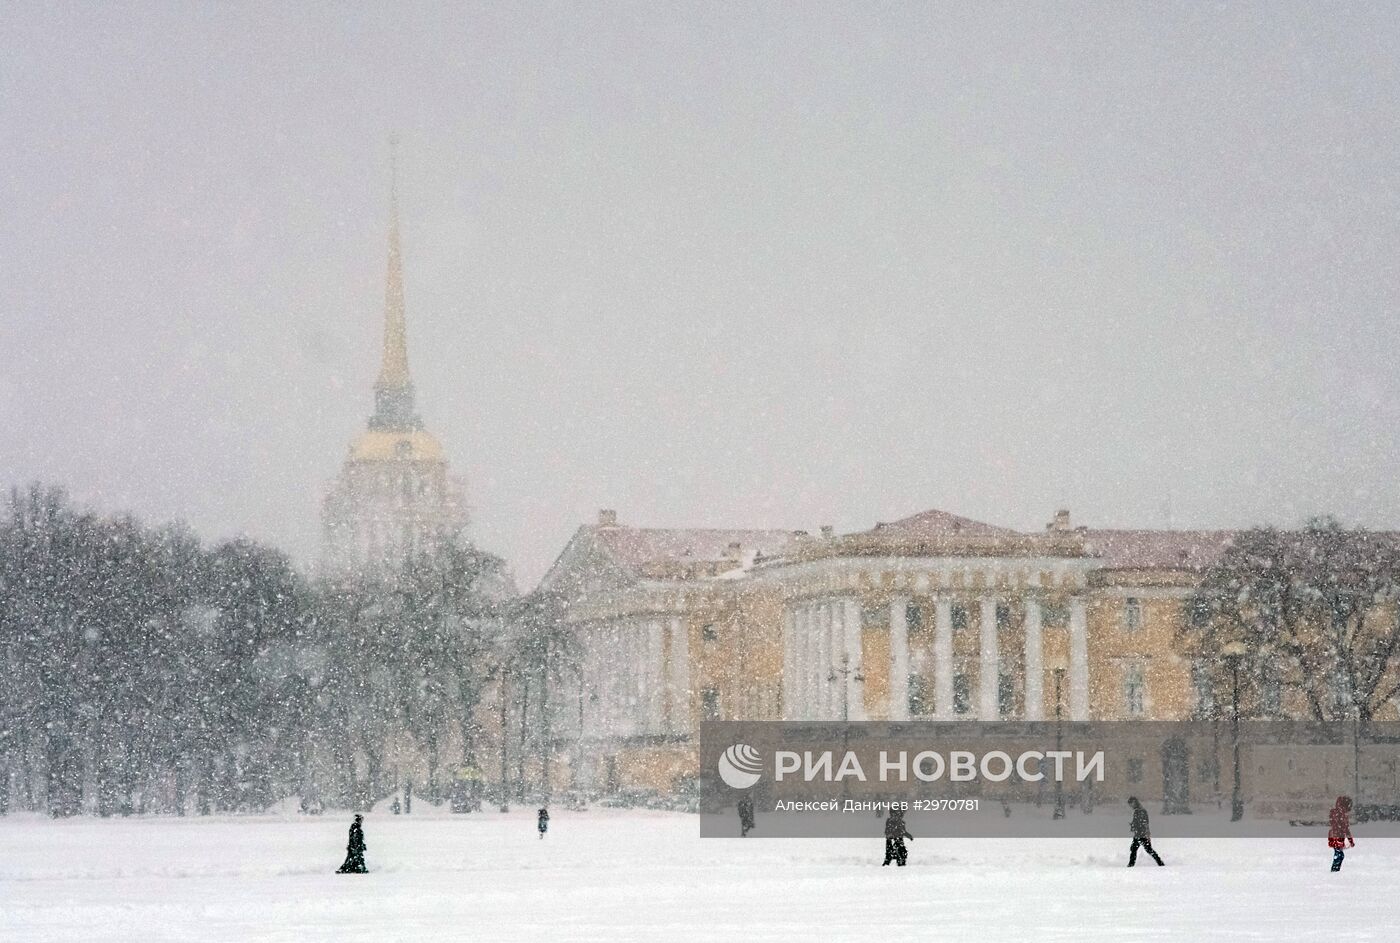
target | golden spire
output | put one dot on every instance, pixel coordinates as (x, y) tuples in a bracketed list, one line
[(393, 372)]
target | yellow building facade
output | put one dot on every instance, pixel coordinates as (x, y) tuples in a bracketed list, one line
[(933, 617)]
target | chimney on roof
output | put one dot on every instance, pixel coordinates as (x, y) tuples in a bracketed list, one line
[(828, 531), (607, 518), (1060, 523)]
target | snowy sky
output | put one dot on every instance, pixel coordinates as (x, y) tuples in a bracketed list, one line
[(713, 264)]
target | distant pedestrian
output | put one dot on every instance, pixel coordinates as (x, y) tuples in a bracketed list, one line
[(1142, 834), (745, 808), (1339, 831), (355, 850), (542, 821), (895, 834)]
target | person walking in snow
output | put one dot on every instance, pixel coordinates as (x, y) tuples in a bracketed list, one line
[(1339, 830), (1142, 835), (542, 822), (355, 850), (745, 808), (895, 833)]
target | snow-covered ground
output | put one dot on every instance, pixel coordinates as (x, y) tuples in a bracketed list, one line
[(611, 876)]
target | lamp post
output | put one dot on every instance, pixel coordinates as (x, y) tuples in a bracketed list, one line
[(845, 672), (1058, 666), (1234, 653), (1356, 752), (505, 775)]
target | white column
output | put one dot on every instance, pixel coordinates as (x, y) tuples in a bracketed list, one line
[(989, 673), (943, 658), (656, 676), (641, 636), (641, 654), (607, 686), (679, 671), (854, 662), (832, 641), (789, 661), (812, 654), (588, 678), (634, 637), (835, 644), (617, 681), (823, 667), (1078, 660), (899, 659), (1035, 662), (668, 680), (804, 663)]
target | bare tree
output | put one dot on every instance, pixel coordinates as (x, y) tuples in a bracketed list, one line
[(1311, 611)]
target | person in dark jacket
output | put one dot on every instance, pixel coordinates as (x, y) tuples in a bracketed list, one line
[(1339, 830), (745, 808), (895, 833), (1142, 835), (355, 850), (542, 821)]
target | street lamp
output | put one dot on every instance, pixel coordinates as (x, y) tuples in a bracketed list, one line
[(1234, 652), (1058, 666), (841, 674), (845, 672), (504, 669)]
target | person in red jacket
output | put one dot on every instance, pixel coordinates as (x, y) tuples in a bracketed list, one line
[(1339, 830)]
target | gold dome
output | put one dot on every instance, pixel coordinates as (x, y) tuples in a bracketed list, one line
[(380, 445)]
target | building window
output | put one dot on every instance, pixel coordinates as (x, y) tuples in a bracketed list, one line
[(959, 616), (1003, 615), (920, 695), (962, 693), (1203, 683), (1134, 691), (709, 704), (875, 617), (1270, 692), (1135, 770), (709, 633), (1341, 692), (1006, 694), (1054, 615), (913, 617), (1132, 614)]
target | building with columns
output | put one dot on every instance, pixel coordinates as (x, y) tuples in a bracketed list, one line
[(395, 495), (933, 617)]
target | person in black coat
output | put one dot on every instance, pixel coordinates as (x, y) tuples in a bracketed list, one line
[(542, 821), (1142, 835), (895, 833), (745, 808), (355, 850)]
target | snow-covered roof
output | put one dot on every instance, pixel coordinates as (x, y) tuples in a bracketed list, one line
[(1157, 549), (637, 547), (935, 524)]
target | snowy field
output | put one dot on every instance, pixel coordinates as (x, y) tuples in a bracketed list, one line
[(610, 876)]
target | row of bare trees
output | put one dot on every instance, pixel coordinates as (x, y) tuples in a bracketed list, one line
[(148, 672), (1303, 617)]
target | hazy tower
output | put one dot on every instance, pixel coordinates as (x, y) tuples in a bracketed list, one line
[(395, 496)]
